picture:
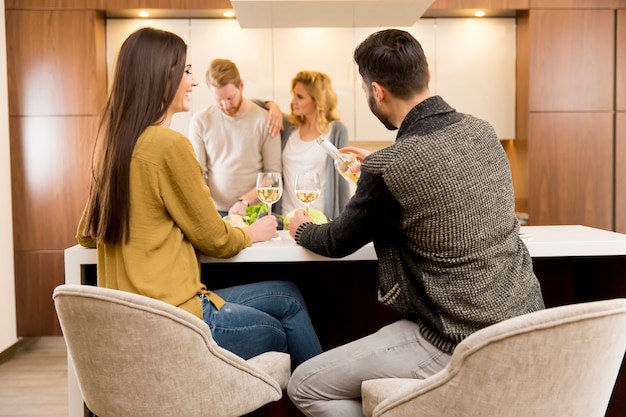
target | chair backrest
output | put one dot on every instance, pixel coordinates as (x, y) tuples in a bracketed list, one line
[(558, 362), (137, 356)]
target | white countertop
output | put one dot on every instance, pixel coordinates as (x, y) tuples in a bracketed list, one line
[(542, 241), (570, 241)]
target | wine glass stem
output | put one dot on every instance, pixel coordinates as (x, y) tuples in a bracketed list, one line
[(269, 209)]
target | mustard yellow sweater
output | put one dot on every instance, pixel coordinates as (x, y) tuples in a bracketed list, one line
[(172, 218)]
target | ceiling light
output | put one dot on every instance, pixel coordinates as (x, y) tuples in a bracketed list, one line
[(143, 14), (479, 13)]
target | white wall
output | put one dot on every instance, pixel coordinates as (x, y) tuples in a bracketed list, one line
[(472, 64), (8, 326)]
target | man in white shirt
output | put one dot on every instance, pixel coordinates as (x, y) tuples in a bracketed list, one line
[(232, 141)]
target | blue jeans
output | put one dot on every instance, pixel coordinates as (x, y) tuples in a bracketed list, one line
[(260, 317)]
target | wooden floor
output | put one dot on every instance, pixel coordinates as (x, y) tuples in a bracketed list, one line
[(33, 382)]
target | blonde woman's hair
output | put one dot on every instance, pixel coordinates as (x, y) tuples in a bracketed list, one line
[(320, 88), (222, 72)]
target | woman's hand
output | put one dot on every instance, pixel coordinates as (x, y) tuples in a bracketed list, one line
[(264, 228)]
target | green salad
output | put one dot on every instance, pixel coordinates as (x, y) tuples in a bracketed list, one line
[(255, 211)]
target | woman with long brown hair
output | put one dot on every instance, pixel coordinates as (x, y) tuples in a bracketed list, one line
[(149, 213)]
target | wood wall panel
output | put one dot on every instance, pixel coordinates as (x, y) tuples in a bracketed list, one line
[(50, 164), (571, 169), (620, 172), (620, 64), (480, 4), (48, 63), (620, 123), (517, 150), (37, 273), (57, 86), (573, 4), (572, 60), (116, 4)]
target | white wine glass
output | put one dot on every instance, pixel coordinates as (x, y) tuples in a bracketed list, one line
[(269, 188), (307, 187)]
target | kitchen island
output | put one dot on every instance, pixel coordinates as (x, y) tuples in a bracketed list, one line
[(573, 263)]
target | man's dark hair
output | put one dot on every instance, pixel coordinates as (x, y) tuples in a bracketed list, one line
[(394, 59)]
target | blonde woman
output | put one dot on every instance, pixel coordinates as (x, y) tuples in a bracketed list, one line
[(314, 113)]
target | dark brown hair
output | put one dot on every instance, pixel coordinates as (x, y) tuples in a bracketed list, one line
[(149, 68), (394, 59)]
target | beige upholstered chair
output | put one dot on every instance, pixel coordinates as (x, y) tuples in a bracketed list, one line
[(559, 362), (136, 356)]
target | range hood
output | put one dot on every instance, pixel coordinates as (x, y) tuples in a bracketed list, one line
[(328, 13)]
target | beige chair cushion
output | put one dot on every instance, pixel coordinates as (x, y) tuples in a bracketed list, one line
[(136, 356), (559, 362)]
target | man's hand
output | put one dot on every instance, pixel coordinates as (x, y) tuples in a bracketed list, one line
[(358, 153), (238, 208), (274, 118), (298, 218)]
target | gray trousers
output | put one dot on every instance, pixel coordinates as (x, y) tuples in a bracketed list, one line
[(329, 384)]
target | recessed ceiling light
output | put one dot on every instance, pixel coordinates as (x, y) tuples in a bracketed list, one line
[(479, 13), (143, 14), (229, 14)]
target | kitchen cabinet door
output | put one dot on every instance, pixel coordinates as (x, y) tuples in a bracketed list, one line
[(620, 124), (572, 72), (475, 69), (620, 64), (571, 169), (117, 30), (368, 127), (620, 172), (472, 65), (250, 49), (328, 50)]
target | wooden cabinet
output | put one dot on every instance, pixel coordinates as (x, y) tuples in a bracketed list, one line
[(57, 85), (571, 168), (570, 117), (572, 60), (479, 4), (620, 172), (620, 122), (574, 4), (54, 66)]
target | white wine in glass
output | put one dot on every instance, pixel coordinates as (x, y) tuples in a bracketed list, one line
[(269, 188), (307, 187)]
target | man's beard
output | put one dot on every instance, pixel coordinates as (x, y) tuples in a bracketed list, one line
[(371, 101), (233, 110)]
